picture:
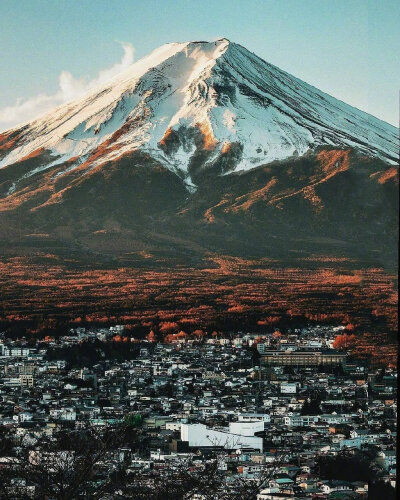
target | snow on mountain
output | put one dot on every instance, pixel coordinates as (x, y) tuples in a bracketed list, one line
[(183, 99)]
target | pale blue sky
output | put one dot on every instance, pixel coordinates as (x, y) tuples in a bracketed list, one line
[(348, 48)]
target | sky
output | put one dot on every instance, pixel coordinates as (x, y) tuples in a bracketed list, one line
[(53, 51)]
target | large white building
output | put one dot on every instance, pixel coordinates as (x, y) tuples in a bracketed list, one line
[(202, 436)]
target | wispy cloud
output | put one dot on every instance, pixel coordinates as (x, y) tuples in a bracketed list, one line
[(69, 88)]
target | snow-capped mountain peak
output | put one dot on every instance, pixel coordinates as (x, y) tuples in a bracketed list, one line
[(195, 107)]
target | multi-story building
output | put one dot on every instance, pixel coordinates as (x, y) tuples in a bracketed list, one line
[(303, 358)]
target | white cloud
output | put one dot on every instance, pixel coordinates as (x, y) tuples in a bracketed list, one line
[(69, 88)]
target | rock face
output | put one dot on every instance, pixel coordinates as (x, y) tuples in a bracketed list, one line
[(206, 147)]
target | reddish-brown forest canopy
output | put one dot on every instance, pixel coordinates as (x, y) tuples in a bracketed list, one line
[(226, 294)]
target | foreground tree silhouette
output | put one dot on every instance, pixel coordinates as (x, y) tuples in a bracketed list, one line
[(82, 464), (66, 467), (178, 481)]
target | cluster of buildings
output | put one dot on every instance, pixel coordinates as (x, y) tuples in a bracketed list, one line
[(266, 407)]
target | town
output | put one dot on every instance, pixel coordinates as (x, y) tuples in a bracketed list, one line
[(264, 416)]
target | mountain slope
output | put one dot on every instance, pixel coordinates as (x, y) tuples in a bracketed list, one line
[(334, 202), (197, 108)]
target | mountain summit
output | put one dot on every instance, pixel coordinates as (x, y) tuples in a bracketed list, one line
[(202, 148), (197, 108)]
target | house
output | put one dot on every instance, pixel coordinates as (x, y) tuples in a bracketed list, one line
[(329, 487)]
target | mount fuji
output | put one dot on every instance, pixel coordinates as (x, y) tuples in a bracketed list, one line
[(207, 142)]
